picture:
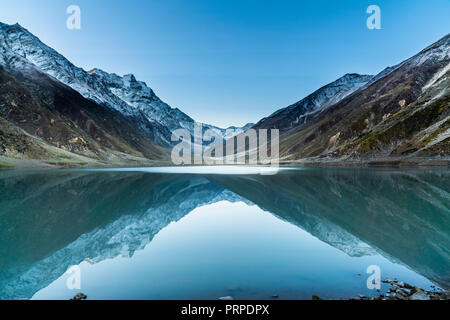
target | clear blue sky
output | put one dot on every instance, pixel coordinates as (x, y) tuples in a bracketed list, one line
[(233, 61)]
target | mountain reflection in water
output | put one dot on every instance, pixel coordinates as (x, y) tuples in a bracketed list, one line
[(50, 220)]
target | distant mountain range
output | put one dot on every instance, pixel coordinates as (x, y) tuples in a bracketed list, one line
[(56, 113), (51, 109)]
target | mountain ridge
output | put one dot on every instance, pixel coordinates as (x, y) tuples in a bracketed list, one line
[(45, 120), (317, 101), (125, 94), (399, 113)]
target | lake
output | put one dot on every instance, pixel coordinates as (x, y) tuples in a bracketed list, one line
[(210, 232)]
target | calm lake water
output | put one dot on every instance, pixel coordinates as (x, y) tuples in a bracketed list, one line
[(205, 233)]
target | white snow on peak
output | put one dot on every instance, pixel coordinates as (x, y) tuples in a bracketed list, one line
[(438, 51), (319, 100), (21, 50)]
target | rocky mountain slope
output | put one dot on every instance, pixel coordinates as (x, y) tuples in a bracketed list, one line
[(43, 119), (51, 109), (299, 112), (132, 98), (401, 113)]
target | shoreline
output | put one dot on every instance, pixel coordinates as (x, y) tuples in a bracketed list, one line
[(19, 164), (398, 291), (403, 291), (127, 162)]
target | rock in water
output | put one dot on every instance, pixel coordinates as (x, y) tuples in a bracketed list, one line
[(79, 296)]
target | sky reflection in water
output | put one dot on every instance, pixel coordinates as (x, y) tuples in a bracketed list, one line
[(141, 235)]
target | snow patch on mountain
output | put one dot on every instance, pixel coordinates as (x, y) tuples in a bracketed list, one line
[(20, 50), (437, 77), (330, 94), (333, 92), (434, 53)]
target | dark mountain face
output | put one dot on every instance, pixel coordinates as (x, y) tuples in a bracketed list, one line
[(402, 114), (49, 114)]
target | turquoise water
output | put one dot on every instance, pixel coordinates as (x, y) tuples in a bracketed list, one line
[(205, 233)]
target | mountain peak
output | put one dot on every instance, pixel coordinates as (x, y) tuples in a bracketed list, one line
[(129, 77), (438, 51), (299, 112), (95, 70), (443, 42), (101, 73), (13, 27), (352, 78), (351, 75), (5, 25)]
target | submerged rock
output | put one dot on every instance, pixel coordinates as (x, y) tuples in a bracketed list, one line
[(79, 296), (355, 298), (406, 291)]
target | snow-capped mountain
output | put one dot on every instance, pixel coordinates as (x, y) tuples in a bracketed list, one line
[(299, 112), (330, 121), (139, 97), (21, 50), (401, 113)]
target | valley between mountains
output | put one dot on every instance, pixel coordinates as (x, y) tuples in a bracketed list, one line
[(53, 113)]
